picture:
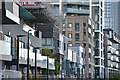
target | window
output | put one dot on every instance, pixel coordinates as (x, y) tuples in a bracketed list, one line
[(97, 35), (76, 36), (101, 37), (84, 25), (77, 44), (65, 7), (101, 45), (70, 35), (70, 25), (89, 55), (82, 55), (84, 45), (76, 26), (63, 32), (64, 46), (96, 52), (97, 71), (96, 27), (70, 44), (63, 25), (97, 61), (96, 10), (97, 44), (47, 41), (96, 18), (58, 43), (101, 20), (101, 62)]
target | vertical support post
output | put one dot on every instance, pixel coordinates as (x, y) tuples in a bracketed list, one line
[(47, 68), (35, 64), (28, 59), (17, 53), (56, 68)]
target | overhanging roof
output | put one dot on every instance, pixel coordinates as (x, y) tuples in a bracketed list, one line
[(41, 17), (24, 14)]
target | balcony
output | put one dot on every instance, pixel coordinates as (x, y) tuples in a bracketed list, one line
[(114, 53), (82, 11), (114, 59), (109, 43), (5, 51), (78, 2), (117, 53), (41, 60)]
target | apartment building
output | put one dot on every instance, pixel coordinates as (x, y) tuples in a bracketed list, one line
[(63, 54), (112, 16), (82, 36), (51, 38), (111, 51), (71, 70), (97, 14), (79, 60), (0, 15), (78, 28), (14, 40), (75, 60)]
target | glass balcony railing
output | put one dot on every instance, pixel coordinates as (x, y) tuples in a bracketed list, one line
[(41, 60), (82, 11), (5, 48), (78, 2)]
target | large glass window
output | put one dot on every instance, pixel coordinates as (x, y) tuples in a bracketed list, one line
[(76, 26), (76, 36)]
